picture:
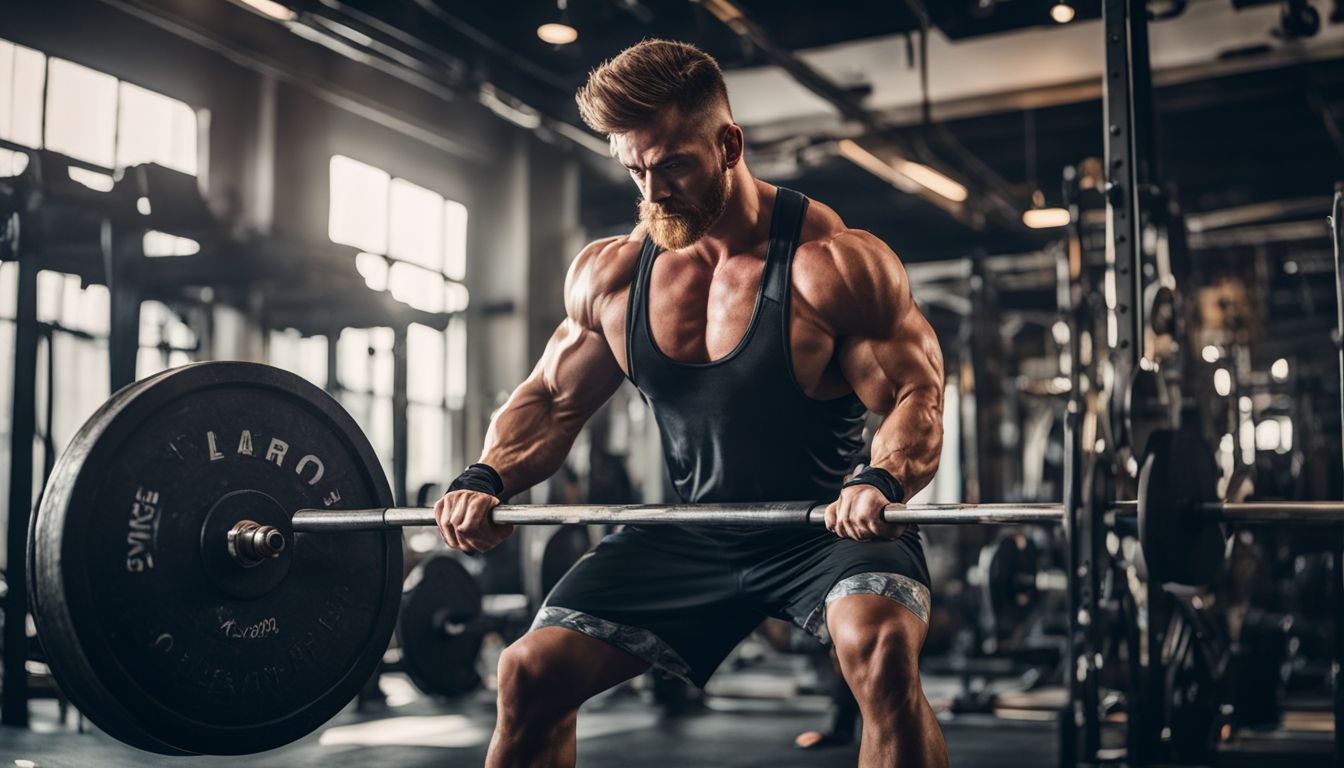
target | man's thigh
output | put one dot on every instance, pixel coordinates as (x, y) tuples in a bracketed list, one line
[(663, 594)]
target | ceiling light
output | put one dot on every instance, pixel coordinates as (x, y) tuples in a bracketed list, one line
[(560, 31), (932, 180), (1046, 218), (557, 34), (906, 175), (270, 8), (1062, 12)]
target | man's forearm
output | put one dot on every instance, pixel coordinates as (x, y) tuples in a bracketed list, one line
[(529, 439), (909, 442)]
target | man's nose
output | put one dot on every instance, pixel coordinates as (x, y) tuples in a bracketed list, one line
[(655, 189)]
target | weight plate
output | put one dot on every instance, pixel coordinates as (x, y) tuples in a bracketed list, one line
[(1180, 545), (438, 628), (1010, 566), (159, 641)]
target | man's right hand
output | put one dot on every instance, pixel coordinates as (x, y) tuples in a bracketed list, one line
[(464, 521)]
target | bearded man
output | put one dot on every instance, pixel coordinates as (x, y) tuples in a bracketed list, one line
[(759, 328)]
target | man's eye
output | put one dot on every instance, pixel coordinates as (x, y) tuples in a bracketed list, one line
[(673, 166)]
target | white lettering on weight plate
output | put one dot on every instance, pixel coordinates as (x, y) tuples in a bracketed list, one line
[(311, 459), (276, 452), (215, 455), (141, 529), (245, 443), (263, 628)]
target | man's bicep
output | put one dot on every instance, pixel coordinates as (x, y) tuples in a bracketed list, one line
[(886, 368)]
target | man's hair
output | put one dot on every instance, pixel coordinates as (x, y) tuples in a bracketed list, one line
[(625, 92)]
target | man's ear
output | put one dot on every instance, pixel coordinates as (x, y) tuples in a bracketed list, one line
[(731, 139)]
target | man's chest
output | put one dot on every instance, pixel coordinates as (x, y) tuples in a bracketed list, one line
[(696, 314)]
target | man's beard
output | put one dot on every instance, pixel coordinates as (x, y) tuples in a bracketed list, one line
[(677, 224)]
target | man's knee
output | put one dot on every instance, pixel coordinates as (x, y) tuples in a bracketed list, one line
[(530, 681), (880, 659)]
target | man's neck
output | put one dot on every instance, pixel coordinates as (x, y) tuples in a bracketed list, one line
[(744, 222)]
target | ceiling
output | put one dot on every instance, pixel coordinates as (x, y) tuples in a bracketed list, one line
[(1245, 114)]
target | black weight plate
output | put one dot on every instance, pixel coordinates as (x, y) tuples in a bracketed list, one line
[(1180, 545), (1010, 578), (562, 551), (139, 628), (438, 650)]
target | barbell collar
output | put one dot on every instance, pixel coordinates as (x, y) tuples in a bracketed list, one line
[(779, 513)]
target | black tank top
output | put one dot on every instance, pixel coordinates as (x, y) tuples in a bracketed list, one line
[(740, 428)]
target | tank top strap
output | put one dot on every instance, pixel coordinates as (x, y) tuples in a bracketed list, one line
[(786, 227), (637, 335)]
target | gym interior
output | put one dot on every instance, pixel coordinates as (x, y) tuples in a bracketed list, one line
[(270, 270)]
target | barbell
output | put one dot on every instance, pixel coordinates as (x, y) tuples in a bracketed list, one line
[(215, 566)]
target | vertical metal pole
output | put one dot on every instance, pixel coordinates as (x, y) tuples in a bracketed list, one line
[(14, 697), (1074, 716), (1337, 561), (333, 364), (400, 440), (123, 338), (1127, 100), (1129, 120)]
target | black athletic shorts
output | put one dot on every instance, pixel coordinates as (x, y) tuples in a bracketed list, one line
[(682, 597)]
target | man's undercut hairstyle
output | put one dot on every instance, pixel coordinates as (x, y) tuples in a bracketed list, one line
[(626, 92)]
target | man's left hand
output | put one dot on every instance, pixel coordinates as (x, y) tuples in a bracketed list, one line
[(857, 515)]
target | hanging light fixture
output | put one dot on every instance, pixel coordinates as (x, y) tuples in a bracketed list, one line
[(1062, 12), (559, 32)]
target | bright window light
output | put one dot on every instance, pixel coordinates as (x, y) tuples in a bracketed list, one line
[(425, 353), (81, 112), (153, 128), (421, 288), (1062, 13), (415, 226), (358, 215), (23, 72), (91, 179), (12, 163), (454, 239), (163, 244), (455, 297), (457, 362), (373, 269)]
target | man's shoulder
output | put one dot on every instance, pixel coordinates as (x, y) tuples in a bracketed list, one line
[(837, 268), (604, 268)]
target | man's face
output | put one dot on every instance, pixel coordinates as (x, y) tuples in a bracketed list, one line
[(679, 167)]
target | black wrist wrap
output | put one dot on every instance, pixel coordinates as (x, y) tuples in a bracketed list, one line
[(880, 479), (481, 478)]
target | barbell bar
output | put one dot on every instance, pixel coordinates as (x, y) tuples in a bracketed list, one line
[(794, 513)]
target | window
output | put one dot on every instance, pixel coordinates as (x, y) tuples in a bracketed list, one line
[(413, 244), (91, 116)]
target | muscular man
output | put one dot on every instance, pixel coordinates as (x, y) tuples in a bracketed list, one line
[(759, 327)]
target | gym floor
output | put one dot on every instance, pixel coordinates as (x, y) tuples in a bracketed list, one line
[(618, 730)]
